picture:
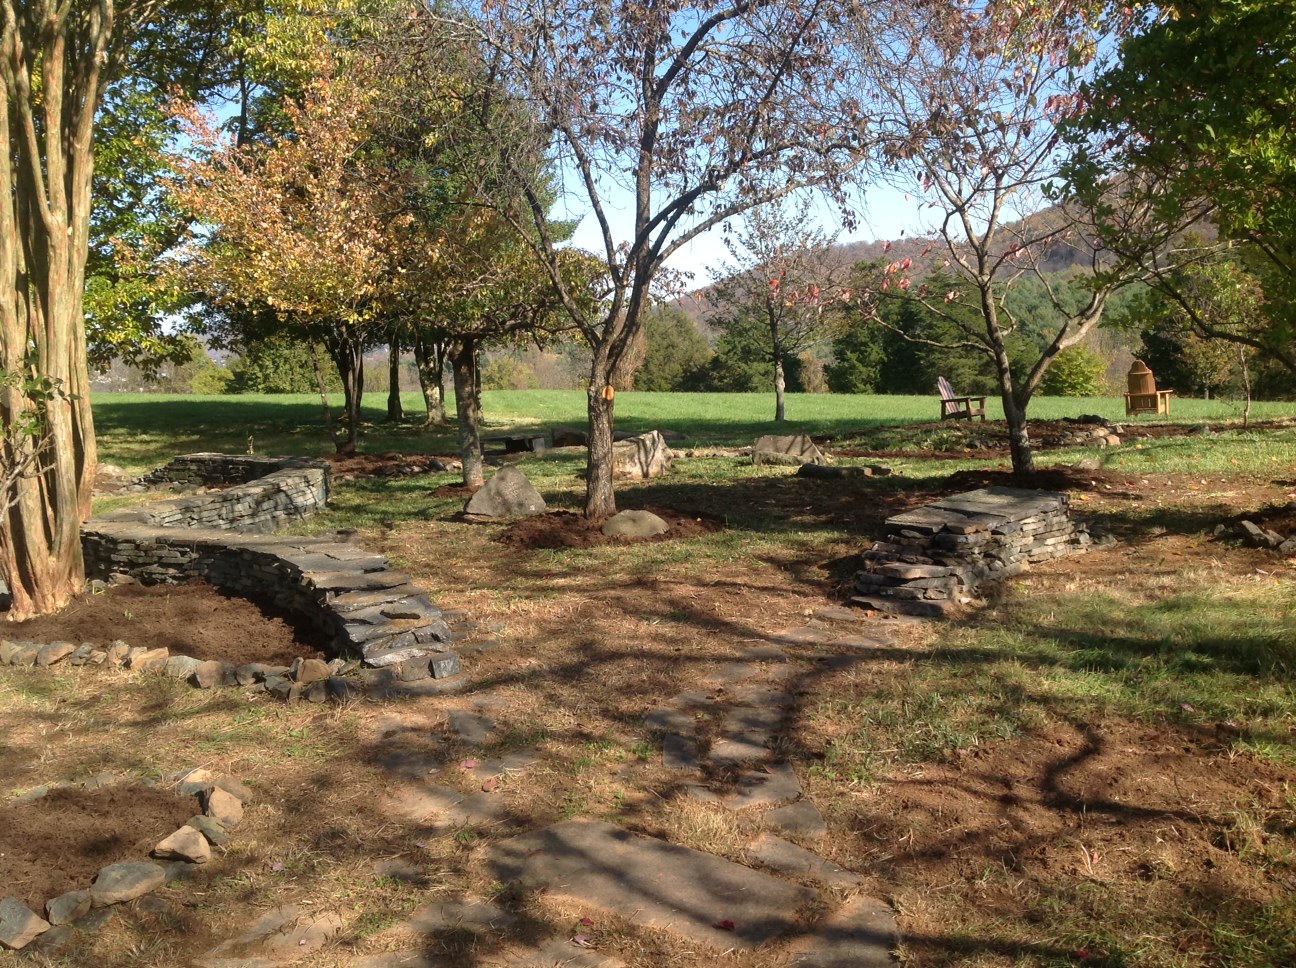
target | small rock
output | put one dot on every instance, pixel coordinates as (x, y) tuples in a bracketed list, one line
[(180, 666), (210, 828), (148, 660), (185, 844), (26, 655), (307, 671), (635, 524), (52, 940), (344, 690), (257, 672), (226, 808), (213, 673), (791, 449), (641, 457), (444, 666), (125, 882), (82, 654), (66, 908), (116, 654), (154, 905), (97, 658), (7, 651), (317, 692), (414, 668), (54, 652), (279, 686), (1288, 547), (19, 924)]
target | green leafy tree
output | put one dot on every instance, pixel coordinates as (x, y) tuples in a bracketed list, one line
[(278, 364), (1077, 371), (1198, 113), (675, 353)]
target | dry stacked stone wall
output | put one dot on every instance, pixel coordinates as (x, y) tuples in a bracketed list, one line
[(936, 557), (349, 594)]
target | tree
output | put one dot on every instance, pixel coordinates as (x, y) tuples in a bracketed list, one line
[(782, 275), (676, 351), (1076, 372), (56, 61), (277, 364), (1202, 104), (303, 226), (970, 97), (696, 111)]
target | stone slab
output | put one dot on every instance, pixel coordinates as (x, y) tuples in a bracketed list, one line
[(787, 858), (651, 882), (476, 916), (800, 819), (860, 934), (19, 924), (759, 788), (561, 953), (424, 802)]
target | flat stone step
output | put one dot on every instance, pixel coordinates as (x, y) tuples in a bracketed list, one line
[(651, 882)]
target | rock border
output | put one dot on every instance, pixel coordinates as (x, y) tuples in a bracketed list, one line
[(312, 680), (349, 594), (221, 800)]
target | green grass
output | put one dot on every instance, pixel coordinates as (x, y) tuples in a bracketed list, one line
[(143, 430)]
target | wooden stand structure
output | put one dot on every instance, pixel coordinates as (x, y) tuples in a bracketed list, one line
[(1143, 396)]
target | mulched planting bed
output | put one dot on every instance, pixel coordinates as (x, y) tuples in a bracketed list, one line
[(60, 842), (194, 619), (566, 529)]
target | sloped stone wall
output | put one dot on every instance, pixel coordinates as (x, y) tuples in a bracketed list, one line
[(349, 594)]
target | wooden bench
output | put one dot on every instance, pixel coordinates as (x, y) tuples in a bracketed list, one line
[(518, 443), (956, 407)]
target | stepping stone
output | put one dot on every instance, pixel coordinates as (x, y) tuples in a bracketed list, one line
[(861, 934), (399, 959), (863, 640), (759, 788), (745, 733), (471, 728), (411, 764), (680, 753), (654, 883), (477, 916), (561, 953), (800, 819), (516, 762), (839, 613), (803, 635), (787, 858), (401, 871), (287, 932), (678, 714), (452, 808)]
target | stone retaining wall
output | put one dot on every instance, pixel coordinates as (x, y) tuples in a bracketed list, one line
[(937, 556), (349, 594)]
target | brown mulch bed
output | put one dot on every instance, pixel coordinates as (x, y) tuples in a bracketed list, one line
[(60, 842), (194, 619), (566, 529)]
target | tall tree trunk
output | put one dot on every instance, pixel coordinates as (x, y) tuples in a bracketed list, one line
[(395, 411), (468, 410), (429, 357), (600, 497), (780, 391), (348, 355), (51, 83)]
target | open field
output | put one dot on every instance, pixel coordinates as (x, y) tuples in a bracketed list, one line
[(142, 430), (1097, 766)]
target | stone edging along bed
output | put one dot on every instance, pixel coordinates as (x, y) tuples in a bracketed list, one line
[(221, 800), (368, 611)]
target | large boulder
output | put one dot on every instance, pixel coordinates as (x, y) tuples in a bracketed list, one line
[(642, 457), (793, 449), (506, 495)]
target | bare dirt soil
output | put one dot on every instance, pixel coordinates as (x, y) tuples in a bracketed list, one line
[(60, 842), (566, 529), (193, 619)]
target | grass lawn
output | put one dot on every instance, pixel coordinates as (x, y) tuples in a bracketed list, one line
[(1097, 766)]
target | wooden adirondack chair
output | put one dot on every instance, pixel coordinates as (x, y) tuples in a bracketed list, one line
[(956, 407)]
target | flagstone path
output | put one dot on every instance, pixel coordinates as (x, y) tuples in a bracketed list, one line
[(723, 741)]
